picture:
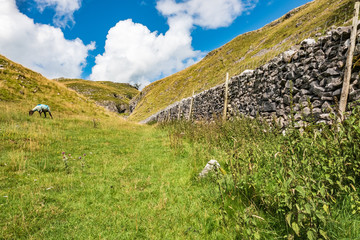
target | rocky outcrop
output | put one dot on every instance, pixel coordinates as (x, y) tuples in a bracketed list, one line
[(306, 79), (134, 102), (113, 106), (114, 97)]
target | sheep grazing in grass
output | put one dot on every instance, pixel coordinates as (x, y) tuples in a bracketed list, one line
[(41, 108)]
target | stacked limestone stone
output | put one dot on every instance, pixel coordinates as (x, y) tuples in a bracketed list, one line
[(309, 73)]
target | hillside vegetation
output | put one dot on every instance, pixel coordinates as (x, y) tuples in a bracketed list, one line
[(68, 178), (246, 51), (90, 174), (21, 89), (281, 185), (113, 96), (87, 173)]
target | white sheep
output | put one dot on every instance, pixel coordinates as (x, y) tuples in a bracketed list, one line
[(41, 108)]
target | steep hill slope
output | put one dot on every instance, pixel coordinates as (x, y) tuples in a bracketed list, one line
[(113, 96), (21, 89), (246, 51)]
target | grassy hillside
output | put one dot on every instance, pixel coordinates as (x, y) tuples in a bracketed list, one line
[(246, 51), (21, 89), (103, 92), (75, 178)]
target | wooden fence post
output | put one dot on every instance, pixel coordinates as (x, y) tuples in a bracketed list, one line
[(169, 116), (226, 96), (179, 111), (191, 106), (349, 60)]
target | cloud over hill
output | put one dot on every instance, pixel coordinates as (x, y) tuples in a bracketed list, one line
[(134, 54), (40, 47)]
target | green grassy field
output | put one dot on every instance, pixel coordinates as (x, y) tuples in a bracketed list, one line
[(80, 177), (89, 174), (130, 183)]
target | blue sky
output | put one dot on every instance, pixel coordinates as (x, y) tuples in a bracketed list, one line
[(135, 41)]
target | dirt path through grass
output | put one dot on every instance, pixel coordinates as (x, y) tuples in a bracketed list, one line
[(129, 184)]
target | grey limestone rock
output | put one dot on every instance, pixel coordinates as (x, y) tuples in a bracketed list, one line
[(337, 92), (333, 83), (247, 72), (287, 100), (316, 89), (323, 98), (304, 99), (325, 116), (306, 111), (347, 43), (344, 32), (212, 165), (287, 56), (317, 103), (331, 72), (308, 42), (269, 107), (317, 111), (354, 95), (326, 107)]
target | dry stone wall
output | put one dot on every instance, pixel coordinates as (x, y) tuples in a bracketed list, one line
[(309, 73)]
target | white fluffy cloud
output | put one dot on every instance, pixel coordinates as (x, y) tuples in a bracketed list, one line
[(133, 54), (64, 10), (40, 47), (210, 14), (207, 14)]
